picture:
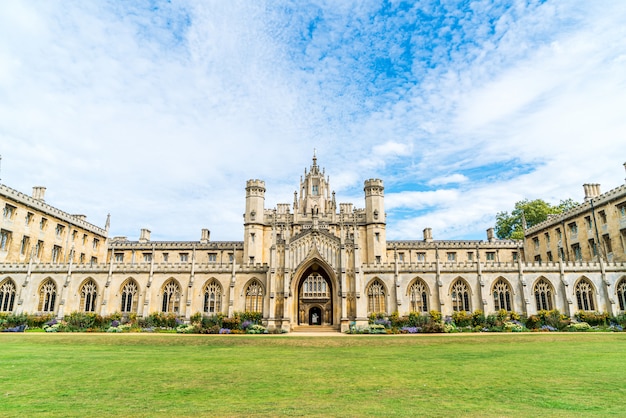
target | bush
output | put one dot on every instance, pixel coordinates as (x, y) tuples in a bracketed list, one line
[(254, 317), (435, 316), (593, 318), (579, 326), (231, 323), (81, 321), (461, 319), (478, 318), (433, 327)]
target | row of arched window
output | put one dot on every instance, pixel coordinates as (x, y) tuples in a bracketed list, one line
[(418, 294), (129, 291), (501, 291)]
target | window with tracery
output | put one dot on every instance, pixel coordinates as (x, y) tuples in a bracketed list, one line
[(130, 292), (88, 294), (254, 297), (418, 297), (460, 296), (171, 297), (502, 296), (543, 295), (213, 297), (376, 297), (584, 296), (47, 296), (315, 286), (7, 296), (621, 294)]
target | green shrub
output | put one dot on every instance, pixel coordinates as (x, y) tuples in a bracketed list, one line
[(461, 319), (478, 318), (593, 318), (533, 322), (254, 317), (435, 316), (579, 326), (231, 323), (415, 319)]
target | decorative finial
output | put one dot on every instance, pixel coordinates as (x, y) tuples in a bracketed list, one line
[(314, 157)]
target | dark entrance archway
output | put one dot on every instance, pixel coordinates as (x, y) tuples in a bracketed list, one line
[(315, 297), (315, 316)]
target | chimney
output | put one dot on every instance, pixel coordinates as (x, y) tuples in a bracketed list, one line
[(591, 191), (490, 236), (144, 236), (428, 234), (204, 239), (39, 192)]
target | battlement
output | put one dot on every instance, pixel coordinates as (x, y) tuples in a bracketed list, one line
[(256, 185)]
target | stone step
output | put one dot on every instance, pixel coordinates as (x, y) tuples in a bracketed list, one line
[(315, 328)]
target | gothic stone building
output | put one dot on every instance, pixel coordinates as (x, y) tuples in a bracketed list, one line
[(304, 265)]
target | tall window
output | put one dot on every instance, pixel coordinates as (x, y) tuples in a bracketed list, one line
[(130, 295), (315, 286), (502, 296), (171, 297), (47, 296), (213, 297), (621, 294), (88, 294), (376, 297), (584, 295), (254, 297), (543, 295), (418, 297), (5, 240), (7, 295), (460, 296)]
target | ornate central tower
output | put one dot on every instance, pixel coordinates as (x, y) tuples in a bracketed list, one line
[(315, 195)]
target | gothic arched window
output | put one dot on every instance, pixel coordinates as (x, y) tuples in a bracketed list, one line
[(130, 292), (584, 295), (88, 293), (7, 295), (254, 297), (212, 297), (171, 297), (47, 296), (543, 295), (418, 296), (621, 294), (376, 297), (502, 296), (460, 296)]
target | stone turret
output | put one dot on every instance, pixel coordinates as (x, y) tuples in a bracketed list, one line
[(375, 221), (254, 221)]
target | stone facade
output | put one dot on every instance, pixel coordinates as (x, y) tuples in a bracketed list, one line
[(310, 263)]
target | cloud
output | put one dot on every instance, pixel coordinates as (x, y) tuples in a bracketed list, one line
[(159, 114)]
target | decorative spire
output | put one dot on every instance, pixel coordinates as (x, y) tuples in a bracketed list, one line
[(314, 157)]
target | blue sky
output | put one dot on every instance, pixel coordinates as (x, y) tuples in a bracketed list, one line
[(158, 112)]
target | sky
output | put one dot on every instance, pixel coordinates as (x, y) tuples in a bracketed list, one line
[(158, 112)]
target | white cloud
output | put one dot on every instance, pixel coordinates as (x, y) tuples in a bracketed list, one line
[(160, 116)]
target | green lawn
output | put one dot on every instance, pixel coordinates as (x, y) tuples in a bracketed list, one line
[(530, 374)]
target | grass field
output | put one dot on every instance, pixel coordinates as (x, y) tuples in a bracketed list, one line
[(95, 375)]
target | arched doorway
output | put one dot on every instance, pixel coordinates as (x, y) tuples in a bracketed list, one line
[(315, 297), (315, 316)]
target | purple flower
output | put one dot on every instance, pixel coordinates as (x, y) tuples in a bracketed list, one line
[(411, 330), (246, 324), (224, 331), (115, 323), (51, 322)]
